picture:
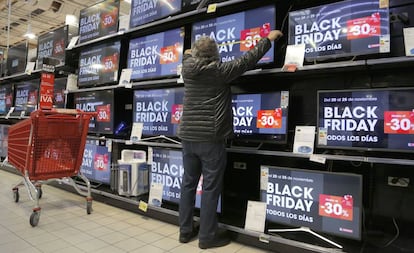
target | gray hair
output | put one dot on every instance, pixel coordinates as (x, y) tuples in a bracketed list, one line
[(206, 50)]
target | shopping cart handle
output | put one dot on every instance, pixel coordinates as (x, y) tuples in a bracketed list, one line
[(73, 111)]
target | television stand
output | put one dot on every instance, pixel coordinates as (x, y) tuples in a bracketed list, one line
[(163, 137), (305, 229)]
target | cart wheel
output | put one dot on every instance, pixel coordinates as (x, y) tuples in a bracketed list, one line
[(16, 195), (88, 207), (34, 218)]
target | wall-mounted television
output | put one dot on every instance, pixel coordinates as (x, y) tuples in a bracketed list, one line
[(159, 110), (261, 117), (59, 96), (96, 161), (156, 55), (143, 12), (112, 106), (16, 59), (6, 98), (167, 169), (52, 45), (99, 65), (341, 29), (366, 119), (237, 33), (26, 97), (4, 134), (322, 201), (98, 20)]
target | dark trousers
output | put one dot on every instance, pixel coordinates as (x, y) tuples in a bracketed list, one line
[(209, 159)]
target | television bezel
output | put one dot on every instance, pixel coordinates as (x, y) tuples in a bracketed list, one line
[(9, 60), (364, 149), (339, 56)]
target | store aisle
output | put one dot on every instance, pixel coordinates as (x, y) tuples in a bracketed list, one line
[(64, 226)]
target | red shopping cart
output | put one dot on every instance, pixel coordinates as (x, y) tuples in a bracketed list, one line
[(49, 146)]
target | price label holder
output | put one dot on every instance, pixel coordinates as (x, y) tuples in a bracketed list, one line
[(125, 78), (142, 206), (295, 55), (211, 8), (10, 112), (30, 67), (73, 42)]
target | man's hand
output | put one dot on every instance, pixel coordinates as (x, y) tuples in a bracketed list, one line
[(274, 35)]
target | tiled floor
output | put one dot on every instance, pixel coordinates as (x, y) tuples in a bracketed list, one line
[(64, 226)]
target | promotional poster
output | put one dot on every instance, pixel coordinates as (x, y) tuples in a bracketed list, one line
[(52, 45), (59, 96), (96, 162), (237, 33), (322, 201), (98, 20), (159, 110), (261, 114), (372, 119), (100, 102), (99, 64), (346, 28), (167, 169), (156, 55), (145, 11), (26, 96)]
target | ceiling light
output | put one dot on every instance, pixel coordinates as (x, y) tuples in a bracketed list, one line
[(29, 34)]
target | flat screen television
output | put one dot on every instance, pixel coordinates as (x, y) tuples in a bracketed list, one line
[(110, 114), (366, 119), (99, 65), (156, 55), (159, 110), (4, 134), (96, 161), (261, 117), (6, 98), (322, 201), (52, 45), (341, 29), (237, 33), (143, 12), (26, 97), (167, 169), (16, 59), (98, 20), (59, 96)]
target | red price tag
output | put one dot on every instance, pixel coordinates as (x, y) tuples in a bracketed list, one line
[(249, 38), (32, 98), (101, 162), (177, 112), (336, 207), (108, 19), (59, 47), (104, 113), (269, 118), (169, 54), (399, 122), (364, 27), (110, 63)]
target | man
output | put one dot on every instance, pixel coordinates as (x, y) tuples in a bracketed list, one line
[(206, 123)]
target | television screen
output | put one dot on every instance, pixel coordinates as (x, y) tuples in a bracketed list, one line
[(345, 28), (98, 20), (159, 110), (6, 98), (4, 134), (96, 162), (366, 119), (143, 12), (100, 101), (59, 96), (52, 45), (157, 55), (16, 59), (237, 33), (26, 97), (99, 64), (322, 201), (261, 116), (167, 169)]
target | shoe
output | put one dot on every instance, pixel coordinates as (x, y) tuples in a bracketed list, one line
[(187, 237), (219, 241)]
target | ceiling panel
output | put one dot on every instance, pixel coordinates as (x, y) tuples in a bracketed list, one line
[(43, 16)]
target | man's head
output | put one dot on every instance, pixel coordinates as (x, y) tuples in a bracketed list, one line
[(205, 48)]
